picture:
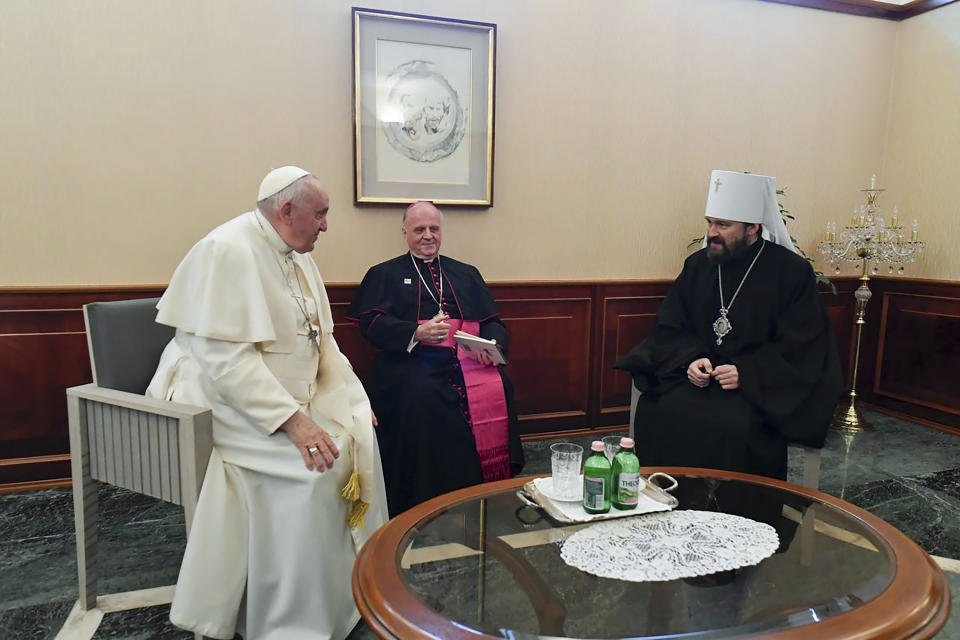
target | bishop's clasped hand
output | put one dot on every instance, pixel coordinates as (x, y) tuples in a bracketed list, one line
[(434, 330)]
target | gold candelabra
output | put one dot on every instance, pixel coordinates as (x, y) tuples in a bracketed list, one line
[(867, 239)]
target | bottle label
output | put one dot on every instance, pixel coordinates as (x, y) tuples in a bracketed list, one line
[(593, 492), (628, 489)]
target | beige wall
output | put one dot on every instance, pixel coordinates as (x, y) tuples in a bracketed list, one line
[(129, 129), (923, 155)]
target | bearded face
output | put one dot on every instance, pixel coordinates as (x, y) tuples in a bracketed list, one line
[(726, 240)]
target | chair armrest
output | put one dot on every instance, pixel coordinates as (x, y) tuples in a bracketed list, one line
[(136, 401), (170, 467)]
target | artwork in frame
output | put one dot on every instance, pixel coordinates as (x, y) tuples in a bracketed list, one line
[(423, 108)]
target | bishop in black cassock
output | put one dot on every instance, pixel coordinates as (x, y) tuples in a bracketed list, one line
[(426, 432), (744, 301)]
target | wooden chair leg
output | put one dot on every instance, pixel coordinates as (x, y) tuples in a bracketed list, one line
[(807, 535), (811, 468), (85, 505), (634, 399)]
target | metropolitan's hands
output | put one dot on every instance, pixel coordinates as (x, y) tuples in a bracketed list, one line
[(728, 376), (314, 443), (701, 371), (434, 330)]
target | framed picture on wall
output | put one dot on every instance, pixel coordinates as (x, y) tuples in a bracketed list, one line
[(423, 108)]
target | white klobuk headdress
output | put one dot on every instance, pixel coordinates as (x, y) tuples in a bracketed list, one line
[(749, 198)]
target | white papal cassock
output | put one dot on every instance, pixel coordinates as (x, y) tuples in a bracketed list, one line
[(266, 528)]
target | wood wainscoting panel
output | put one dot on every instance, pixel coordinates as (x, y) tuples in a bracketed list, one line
[(549, 354), (627, 320), (564, 339), (43, 350), (353, 345), (841, 309), (40, 321), (36, 370), (919, 350)]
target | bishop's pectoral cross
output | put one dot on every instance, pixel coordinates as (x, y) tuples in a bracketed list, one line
[(722, 326), (312, 336), (717, 184)]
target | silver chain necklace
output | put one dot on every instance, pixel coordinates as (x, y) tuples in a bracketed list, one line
[(722, 325), (428, 287), (312, 333)]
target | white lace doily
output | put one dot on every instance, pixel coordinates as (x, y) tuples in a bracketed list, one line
[(668, 546)]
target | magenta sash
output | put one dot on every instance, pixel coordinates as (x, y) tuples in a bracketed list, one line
[(487, 404)]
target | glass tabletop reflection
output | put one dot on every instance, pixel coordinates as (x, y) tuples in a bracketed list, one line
[(493, 565)]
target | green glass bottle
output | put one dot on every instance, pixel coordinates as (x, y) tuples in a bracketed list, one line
[(596, 480), (625, 489)]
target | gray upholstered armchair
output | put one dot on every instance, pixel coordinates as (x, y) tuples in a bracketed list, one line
[(118, 436)]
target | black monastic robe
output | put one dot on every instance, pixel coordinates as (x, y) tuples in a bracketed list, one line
[(426, 444), (782, 345)]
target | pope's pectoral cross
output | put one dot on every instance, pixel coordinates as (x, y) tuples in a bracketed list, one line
[(312, 336), (717, 184)]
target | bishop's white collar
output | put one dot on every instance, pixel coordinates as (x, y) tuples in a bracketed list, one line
[(273, 238)]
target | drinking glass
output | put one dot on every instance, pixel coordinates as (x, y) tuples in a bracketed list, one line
[(565, 466), (611, 444)]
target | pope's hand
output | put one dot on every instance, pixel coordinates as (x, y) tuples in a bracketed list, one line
[(314, 443), (699, 372), (373, 417), (434, 330), (728, 376)]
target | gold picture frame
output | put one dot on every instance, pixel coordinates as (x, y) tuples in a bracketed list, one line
[(423, 112)]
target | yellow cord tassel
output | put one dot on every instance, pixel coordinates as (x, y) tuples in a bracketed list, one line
[(358, 510), (351, 490), (358, 514)]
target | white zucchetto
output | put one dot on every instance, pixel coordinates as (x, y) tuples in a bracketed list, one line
[(279, 179)]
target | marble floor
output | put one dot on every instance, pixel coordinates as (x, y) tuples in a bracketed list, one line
[(907, 474)]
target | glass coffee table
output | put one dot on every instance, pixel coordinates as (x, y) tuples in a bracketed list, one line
[(478, 563)]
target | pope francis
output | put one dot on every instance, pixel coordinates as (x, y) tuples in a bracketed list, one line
[(294, 485)]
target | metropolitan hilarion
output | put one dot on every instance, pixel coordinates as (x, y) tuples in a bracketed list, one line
[(742, 358)]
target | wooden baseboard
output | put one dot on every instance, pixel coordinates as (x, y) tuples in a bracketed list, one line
[(599, 432), (18, 487), (911, 418)]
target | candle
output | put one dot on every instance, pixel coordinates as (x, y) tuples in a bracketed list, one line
[(873, 181), (916, 231), (896, 218)]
